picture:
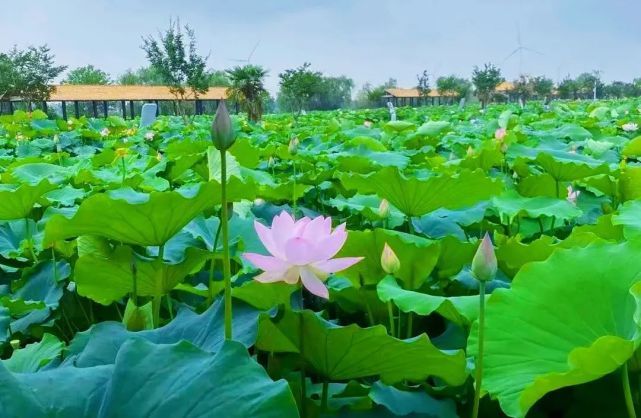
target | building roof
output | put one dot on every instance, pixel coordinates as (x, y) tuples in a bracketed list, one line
[(83, 92), (407, 93), (504, 86), (398, 92)]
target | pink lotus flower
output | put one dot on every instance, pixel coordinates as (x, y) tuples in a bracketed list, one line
[(300, 249), (573, 195), (500, 133)]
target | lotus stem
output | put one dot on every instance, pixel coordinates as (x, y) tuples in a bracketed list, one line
[(324, 396), (212, 264), (124, 170), (390, 313), (225, 232), (303, 378), (479, 357), (158, 298), (627, 393), (294, 205)]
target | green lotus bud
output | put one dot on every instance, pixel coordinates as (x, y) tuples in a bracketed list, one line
[(389, 261), (484, 262), (222, 131), (293, 145)]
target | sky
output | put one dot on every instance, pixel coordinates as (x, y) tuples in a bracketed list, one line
[(367, 40)]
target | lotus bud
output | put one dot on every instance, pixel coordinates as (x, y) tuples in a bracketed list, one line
[(484, 262), (159, 156), (499, 134), (573, 195), (470, 151), (383, 209), (271, 162), (222, 131), (293, 145), (389, 261)]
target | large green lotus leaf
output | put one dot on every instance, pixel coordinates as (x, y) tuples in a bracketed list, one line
[(107, 279), (34, 356), (150, 220), (398, 126), (566, 321), (35, 173), (99, 345), (630, 183), (416, 197), (351, 352), (367, 205), (512, 254), (511, 204), (455, 254), (630, 217), (433, 128), (568, 167), (214, 163), (403, 403), (264, 296), (41, 287), (166, 381), (417, 255), (632, 148), (462, 310), (17, 203)]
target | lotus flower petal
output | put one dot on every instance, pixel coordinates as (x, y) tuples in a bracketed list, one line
[(336, 264), (313, 283), (266, 262)]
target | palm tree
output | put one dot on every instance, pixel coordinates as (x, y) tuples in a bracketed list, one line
[(247, 89)]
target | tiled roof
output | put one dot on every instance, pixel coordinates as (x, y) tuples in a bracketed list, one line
[(121, 92)]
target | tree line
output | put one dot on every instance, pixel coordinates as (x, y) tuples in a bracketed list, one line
[(174, 62)]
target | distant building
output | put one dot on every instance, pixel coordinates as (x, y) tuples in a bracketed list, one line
[(412, 97), (123, 100)]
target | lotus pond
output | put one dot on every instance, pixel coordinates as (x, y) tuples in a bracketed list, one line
[(351, 239)]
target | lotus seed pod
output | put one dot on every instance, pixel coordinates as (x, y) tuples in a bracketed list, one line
[(484, 262), (222, 131)]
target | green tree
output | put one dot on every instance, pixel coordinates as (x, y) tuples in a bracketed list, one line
[(423, 85), (523, 87), (452, 85), (176, 60), (28, 74), (334, 93), (87, 75), (542, 86), (217, 78), (486, 80), (587, 82), (568, 88), (247, 88), (298, 86), (142, 76)]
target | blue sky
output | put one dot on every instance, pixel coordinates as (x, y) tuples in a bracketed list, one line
[(368, 40)]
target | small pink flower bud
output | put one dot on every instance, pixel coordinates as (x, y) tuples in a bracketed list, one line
[(484, 263)]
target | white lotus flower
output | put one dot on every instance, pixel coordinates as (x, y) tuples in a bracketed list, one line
[(104, 132), (630, 127)]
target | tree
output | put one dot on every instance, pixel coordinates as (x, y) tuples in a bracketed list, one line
[(615, 90), (178, 65), (587, 82), (542, 86), (217, 78), (486, 80), (568, 88), (334, 93), (247, 88), (423, 85), (28, 74), (142, 76), (523, 87), (452, 85), (87, 75), (298, 86)]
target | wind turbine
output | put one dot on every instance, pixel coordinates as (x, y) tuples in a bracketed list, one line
[(249, 57), (520, 48)]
